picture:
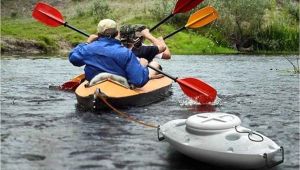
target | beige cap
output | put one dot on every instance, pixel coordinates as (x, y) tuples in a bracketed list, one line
[(106, 24)]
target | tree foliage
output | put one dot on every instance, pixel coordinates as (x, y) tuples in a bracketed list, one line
[(259, 25), (248, 25)]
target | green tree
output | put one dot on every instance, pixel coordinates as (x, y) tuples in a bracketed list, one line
[(252, 25), (240, 20)]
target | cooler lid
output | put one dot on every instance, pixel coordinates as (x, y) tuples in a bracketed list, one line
[(212, 121)]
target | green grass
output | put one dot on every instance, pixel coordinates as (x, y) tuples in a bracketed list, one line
[(84, 16), (186, 42), (191, 43), (29, 29), (279, 31)]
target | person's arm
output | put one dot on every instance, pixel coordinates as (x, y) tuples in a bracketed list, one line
[(146, 52), (137, 74), (76, 55), (92, 38), (161, 46), (166, 54), (144, 62)]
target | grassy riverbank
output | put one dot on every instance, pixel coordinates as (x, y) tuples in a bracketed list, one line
[(272, 27), (52, 40)]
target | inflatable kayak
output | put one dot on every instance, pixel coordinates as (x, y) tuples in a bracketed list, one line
[(218, 139), (119, 94)]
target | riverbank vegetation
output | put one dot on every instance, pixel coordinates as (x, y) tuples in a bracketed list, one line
[(251, 26)]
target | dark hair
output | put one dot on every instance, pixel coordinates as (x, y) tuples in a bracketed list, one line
[(111, 33), (129, 36)]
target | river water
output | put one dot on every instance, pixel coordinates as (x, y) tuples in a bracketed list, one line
[(42, 129)]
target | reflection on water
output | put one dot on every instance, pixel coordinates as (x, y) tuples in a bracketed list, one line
[(42, 129)]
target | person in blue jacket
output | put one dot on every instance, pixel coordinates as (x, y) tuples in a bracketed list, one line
[(104, 53)]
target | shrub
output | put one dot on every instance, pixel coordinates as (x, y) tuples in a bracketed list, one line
[(278, 37), (293, 9), (97, 9), (13, 15), (100, 9), (161, 9)]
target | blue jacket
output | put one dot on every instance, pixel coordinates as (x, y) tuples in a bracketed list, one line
[(108, 55)]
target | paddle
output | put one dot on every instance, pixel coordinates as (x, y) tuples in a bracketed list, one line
[(181, 7), (73, 83), (51, 16), (195, 88), (198, 19)]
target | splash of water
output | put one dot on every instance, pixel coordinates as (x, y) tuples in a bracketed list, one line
[(190, 102)]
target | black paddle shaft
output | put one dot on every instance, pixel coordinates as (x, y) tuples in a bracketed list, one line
[(75, 29), (175, 32), (171, 77), (162, 21)]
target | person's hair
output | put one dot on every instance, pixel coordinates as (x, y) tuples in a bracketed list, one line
[(110, 33), (130, 35), (126, 44)]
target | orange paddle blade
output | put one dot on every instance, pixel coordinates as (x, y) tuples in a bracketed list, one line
[(198, 90), (202, 17), (47, 15)]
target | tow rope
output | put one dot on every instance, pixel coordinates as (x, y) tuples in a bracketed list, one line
[(250, 133), (123, 114)]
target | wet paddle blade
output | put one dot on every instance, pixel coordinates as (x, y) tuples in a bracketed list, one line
[(202, 17), (72, 84), (198, 90), (69, 86), (47, 15), (185, 5)]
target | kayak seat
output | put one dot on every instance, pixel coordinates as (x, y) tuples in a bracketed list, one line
[(108, 76)]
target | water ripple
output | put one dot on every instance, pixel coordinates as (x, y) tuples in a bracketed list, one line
[(43, 128)]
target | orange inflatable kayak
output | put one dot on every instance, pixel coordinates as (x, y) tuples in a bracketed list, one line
[(120, 96)]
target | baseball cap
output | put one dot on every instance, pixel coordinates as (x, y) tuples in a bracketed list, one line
[(106, 24)]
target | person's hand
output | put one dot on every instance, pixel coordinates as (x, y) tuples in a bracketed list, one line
[(144, 62), (146, 32), (92, 38), (139, 27), (161, 38)]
